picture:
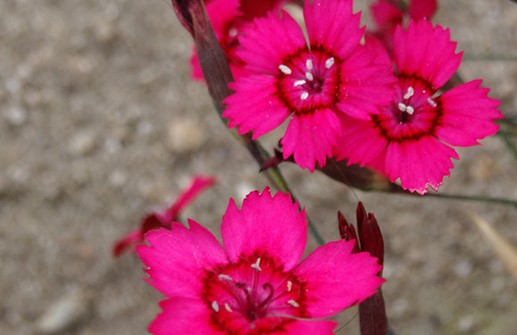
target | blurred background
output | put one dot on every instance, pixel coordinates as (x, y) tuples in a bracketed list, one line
[(100, 122)]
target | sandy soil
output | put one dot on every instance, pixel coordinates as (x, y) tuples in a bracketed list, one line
[(99, 122)]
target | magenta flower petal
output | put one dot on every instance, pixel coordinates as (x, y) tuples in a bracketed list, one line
[(265, 44), (367, 73), (269, 223), (257, 286), (386, 15), (337, 278), (300, 142), (422, 9), (255, 106), (308, 328), (414, 53), (364, 143), (176, 259), (313, 83), (182, 315), (407, 159), (128, 241), (326, 27), (198, 185), (457, 126)]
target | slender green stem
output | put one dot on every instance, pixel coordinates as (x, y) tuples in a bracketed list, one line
[(217, 76), (502, 201), (508, 141), (315, 233)]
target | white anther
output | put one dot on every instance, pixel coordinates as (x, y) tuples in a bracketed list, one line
[(308, 64), (431, 102), (285, 69), (299, 83), (222, 276), (309, 76), (329, 62), (410, 110), (228, 308), (402, 107), (293, 303), (289, 286), (232, 32), (256, 265), (215, 306), (304, 95), (409, 93)]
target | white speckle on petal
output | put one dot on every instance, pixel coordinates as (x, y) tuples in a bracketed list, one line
[(285, 69), (215, 306), (304, 95), (329, 62), (228, 308), (308, 64), (256, 265), (222, 276), (299, 83), (293, 303), (409, 93)]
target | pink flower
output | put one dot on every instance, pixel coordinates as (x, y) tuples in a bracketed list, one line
[(313, 83), (228, 18), (256, 284), (155, 220), (413, 138), (389, 14)]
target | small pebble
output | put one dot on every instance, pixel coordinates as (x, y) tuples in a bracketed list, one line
[(63, 313), (185, 136), (83, 143)]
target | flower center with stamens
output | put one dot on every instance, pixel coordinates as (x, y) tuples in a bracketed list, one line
[(253, 296), (309, 80), (414, 113)]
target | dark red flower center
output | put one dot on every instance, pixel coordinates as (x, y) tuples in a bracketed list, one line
[(309, 80), (254, 296), (415, 112)]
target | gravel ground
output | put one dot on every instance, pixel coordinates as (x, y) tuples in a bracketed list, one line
[(99, 122)]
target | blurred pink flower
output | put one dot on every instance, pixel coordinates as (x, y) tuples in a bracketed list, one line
[(314, 83), (388, 15), (256, 284), (228, 18), (155, 220), (413, 138)]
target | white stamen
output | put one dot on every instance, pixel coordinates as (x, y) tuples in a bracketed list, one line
[(285, 69), (299, 83), (293, 303), (431, 102), (289, 286), (410, 110), (222, 276), (409, 93), (215, 306), (304, 95), (402, 107), (329, 62), (256, 265), (228, 308), (232, 32), (309, 76), (308, 64)]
